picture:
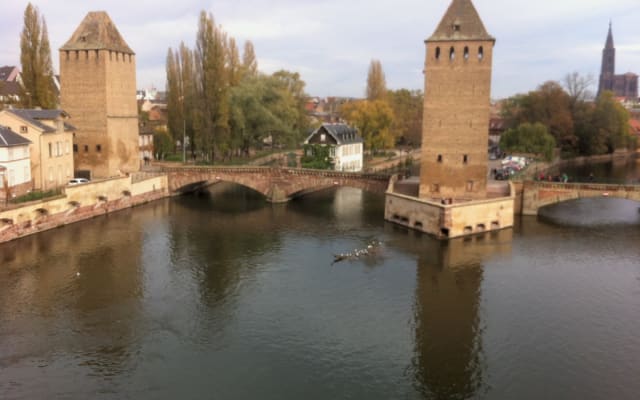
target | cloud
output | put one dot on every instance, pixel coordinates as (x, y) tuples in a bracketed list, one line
[(331, 42)]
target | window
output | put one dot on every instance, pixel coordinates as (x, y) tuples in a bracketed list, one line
[(465, 159), (437, 53), (466, 52), (480, 53), (435, 188), (323, 137), (98, 148), (439, 158), (50, 150), (469, 186), (58, 149), (24, 129), (75, 148), (86, 148), (452, 54)]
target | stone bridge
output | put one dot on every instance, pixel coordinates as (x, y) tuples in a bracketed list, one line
[(539, 194), (276, 184)]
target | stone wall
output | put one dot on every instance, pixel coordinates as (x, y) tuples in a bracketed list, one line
[(79, 203), (456, 116)]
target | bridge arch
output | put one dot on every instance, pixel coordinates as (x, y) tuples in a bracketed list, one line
[(276, 184), (537, 195)]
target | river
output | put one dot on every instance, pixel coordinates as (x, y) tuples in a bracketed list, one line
[(227, 297)]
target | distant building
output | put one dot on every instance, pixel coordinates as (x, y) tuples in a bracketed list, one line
[(51, 139), (98, 87), (345, 146), (625, 85), (15, 168), (10, 86)]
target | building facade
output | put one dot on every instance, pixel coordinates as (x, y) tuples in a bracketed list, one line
[(51, 139), (456, 106), (624, 86), (98, 88), (15, 165), (345, 146)]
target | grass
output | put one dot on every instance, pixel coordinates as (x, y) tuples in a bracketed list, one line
[(36, 195)]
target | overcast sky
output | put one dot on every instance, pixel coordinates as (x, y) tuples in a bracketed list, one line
[(331, 42)]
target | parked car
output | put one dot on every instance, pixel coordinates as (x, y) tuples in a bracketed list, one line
[(77, 181)]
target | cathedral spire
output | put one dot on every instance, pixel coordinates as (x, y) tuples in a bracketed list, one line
[(609, 44)]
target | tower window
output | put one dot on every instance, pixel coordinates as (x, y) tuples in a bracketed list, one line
[(86, 148), (466, 52), (75, 148), (452, 54), (437, 53), (98, 148), (480, 53), (465, 159), (439, 158), (469, 186)]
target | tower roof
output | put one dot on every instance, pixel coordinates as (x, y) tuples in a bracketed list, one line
[(609, 44), (97, 32), (461, 22)]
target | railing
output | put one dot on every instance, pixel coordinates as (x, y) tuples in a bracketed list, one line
[(264, 170)]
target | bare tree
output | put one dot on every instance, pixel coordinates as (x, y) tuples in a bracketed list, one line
[(578, 87)]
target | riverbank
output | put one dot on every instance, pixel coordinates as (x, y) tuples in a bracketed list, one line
[(82, 202)]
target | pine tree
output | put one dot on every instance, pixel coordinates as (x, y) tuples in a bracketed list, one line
[(376, 82), (35, 59)]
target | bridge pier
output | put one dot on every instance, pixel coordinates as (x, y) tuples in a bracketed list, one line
[(276, 194)]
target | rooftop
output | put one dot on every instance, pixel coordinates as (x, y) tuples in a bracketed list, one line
[(461, 22), (8, 138), (97, 32)]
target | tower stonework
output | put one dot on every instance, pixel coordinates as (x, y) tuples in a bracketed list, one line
[(98, 90), (455, 131)]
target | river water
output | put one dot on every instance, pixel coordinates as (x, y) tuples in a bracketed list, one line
[(227, 297)]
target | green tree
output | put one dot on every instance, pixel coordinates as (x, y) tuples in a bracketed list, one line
[(162, 143), (373, 120), (175, 95), (234, 66), (376, 82), (35, 60), (611, 120), (212, 89), (529, 139), (549, 105), (249, 61)]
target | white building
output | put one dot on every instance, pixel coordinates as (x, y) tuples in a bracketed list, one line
[(15, 163), (345, 146)]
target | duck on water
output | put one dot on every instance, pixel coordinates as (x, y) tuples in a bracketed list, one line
[(371, 249)]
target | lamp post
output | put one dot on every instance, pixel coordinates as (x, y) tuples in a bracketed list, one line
[(184, 136)]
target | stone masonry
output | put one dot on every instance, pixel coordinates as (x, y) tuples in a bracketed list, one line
[(456, 106), (98, 90)]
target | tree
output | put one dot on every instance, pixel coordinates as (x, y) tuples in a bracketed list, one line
[(578, 87), (373, 120), (549, 105), (376, 82), (162, 143), (35, 60), (249, 61), (234, 66), (611, 120), (529, 139), (407, 108), (175, 96), (212, 89)]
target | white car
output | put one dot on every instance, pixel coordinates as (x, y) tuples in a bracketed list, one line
[(77, 181)]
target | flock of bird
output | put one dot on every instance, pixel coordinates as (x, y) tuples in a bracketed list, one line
[(357, 253)]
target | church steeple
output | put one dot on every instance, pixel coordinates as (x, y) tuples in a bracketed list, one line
[(608, 69), (609, 44)]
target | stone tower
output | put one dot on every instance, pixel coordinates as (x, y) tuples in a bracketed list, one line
[(98, 90), (608, 69), (455, 130)]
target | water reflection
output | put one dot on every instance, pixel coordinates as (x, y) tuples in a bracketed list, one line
[(76, 294), (449, 362)]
